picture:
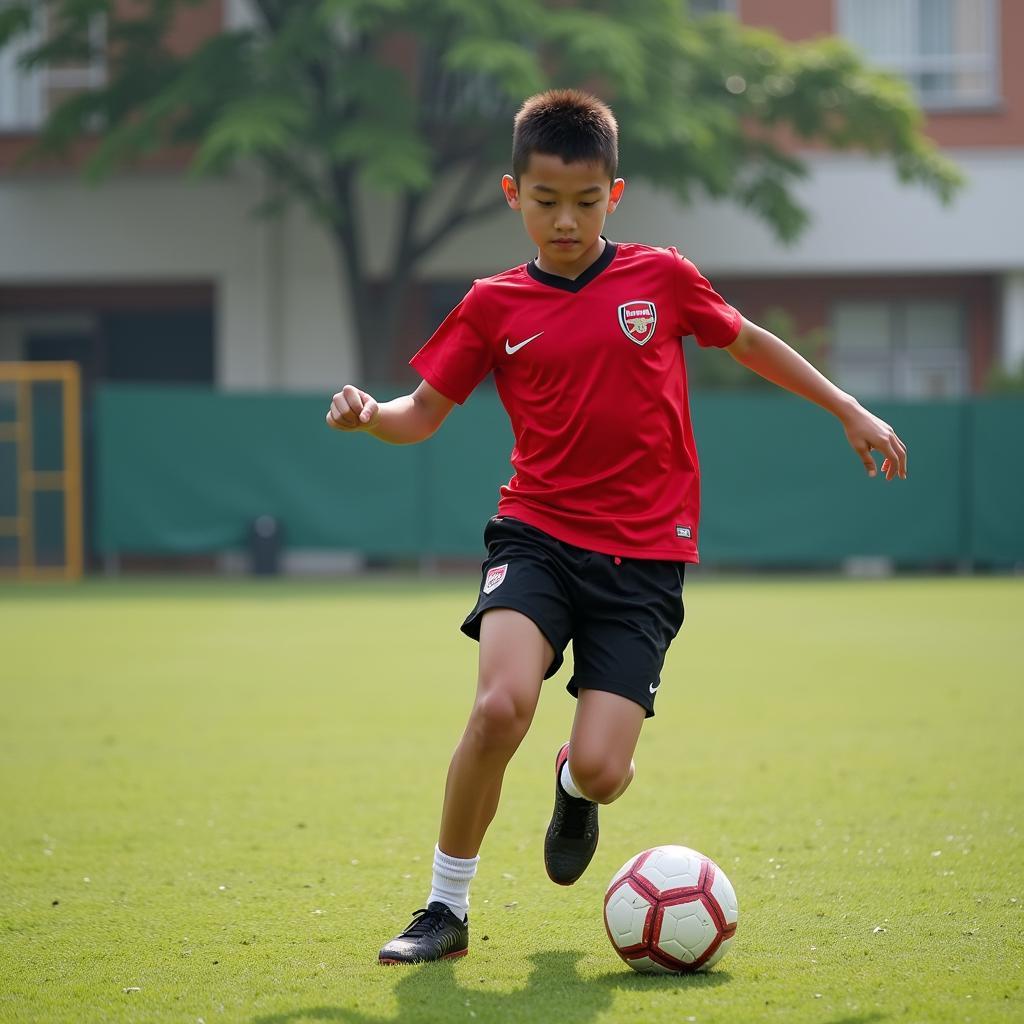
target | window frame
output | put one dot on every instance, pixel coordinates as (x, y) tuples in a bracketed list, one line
[(729, 7), (898, 353), (916, 63)]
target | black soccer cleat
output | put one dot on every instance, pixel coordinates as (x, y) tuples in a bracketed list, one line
[(433, 934), (572, 835)]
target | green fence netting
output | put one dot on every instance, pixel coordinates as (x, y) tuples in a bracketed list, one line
[(182, 471)]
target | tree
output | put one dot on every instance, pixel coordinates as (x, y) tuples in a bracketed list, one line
[(327, 96), (705, 371)]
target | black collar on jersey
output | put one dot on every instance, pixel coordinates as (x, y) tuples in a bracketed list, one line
[(568, 284)]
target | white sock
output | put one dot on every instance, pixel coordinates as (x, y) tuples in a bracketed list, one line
[(567, 783), (450, 884)]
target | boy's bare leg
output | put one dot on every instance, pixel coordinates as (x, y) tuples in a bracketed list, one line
[(605, 732), (599, 757), (514, 655)]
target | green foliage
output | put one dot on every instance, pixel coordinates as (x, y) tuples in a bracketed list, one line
[(1006, 382), (326, 95), (497, 61), (710, 369), (15, 18), (313, 88)]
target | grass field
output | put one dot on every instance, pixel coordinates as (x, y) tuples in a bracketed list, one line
[(219, 799)]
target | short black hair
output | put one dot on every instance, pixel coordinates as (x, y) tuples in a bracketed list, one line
[(567, 123)]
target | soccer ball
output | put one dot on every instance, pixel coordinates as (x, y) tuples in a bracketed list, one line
[(670, 910)]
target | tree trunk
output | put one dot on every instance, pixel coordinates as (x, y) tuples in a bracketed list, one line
[(361, 317), (347, 234), (393, 296), (378, 314)]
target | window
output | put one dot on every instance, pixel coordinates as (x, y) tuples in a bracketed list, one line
[(27, 97), (20, 95), (907, 349), (698, 8), (240, 14), (946, 49)]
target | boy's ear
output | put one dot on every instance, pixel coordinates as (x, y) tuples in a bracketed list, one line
[(511, 190), (615, 193)]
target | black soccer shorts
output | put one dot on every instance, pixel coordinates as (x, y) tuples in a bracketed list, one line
[(620, 613)]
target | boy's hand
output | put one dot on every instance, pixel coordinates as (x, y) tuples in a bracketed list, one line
[(352, 409), (867, 433)]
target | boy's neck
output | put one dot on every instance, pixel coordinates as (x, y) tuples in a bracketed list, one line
[(591, 256)]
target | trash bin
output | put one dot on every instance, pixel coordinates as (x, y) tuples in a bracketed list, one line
[(266, 538)]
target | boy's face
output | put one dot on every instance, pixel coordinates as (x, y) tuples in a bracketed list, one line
[(564, 208)]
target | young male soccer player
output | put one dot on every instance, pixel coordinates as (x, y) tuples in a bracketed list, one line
[(594, 529)]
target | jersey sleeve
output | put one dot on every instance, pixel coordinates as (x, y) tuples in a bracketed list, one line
[(702, 311), (458, 355)]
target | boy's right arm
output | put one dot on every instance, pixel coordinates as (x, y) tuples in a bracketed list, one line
[(404, 420)]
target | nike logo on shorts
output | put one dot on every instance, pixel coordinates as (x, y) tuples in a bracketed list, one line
[(652, 687), (512, 349)]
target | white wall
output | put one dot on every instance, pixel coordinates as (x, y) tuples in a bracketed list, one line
[(863, 222), (279, 314)]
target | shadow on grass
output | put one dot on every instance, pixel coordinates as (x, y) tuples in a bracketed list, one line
[(553, 991)]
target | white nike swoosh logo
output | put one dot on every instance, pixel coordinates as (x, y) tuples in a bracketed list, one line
[(512, 349), (652, 687)]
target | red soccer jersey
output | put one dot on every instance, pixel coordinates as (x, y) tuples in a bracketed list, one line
[(592, 376)]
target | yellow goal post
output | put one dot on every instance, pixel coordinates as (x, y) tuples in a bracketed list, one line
[(40, 471)]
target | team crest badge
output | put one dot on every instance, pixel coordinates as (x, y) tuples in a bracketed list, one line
[(638, 320), (495, 578)]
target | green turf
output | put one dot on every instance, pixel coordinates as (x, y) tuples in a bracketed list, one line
[(218, 800)]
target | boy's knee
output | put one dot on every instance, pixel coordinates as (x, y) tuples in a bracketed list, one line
[(598, 780), (499, 718)]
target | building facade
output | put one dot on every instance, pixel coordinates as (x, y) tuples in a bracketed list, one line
[(915, 299), (154, 277)]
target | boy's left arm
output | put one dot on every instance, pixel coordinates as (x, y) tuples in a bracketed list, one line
[(759, 350)]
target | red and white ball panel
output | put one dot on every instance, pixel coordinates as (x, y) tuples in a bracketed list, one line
[(725, 896), (670, 909), (671, 867), (645, 965), (626, 915), (723, 948), (686, 931)]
